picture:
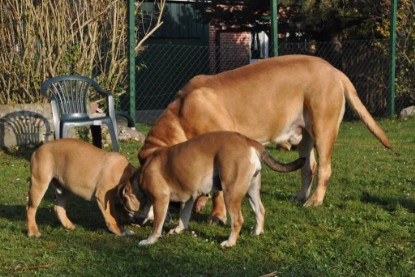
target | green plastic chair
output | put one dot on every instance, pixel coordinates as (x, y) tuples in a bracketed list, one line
[(69, 97)]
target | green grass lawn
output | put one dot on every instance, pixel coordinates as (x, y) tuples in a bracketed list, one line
[(366, 226)]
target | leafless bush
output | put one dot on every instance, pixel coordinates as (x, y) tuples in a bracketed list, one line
[(40, 39)]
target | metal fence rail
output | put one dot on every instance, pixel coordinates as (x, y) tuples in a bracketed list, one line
[(164, 69)]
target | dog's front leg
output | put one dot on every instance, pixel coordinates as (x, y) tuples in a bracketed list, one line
[(59, 208), (107, 209), (160, 207), (185, 212)]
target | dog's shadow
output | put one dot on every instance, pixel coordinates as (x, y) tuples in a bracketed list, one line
[(85, 214), (15, 215), (390, 203)]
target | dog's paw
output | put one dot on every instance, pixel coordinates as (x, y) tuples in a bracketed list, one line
[(312, 202), (33, 234), (127, 233), (227, 243), (257, 232), (148, 241), (69, 226), (176, 230)]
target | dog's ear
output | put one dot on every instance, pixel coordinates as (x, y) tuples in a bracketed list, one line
[(129, 198)]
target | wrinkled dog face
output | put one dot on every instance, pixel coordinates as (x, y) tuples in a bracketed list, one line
[(129, 199), (143, 209)]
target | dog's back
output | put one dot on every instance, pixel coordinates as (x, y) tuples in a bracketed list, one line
[(77, 163), (68, 152), (193, 165)]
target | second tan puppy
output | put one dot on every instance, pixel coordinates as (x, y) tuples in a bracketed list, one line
[(76, 166), (226, 161)]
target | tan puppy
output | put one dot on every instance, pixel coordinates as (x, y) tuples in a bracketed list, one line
[(76, 166), (224, 161), (287, 100)]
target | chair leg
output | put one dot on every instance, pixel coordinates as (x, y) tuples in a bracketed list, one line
[(58, 131), (96, 135), (114, 138), (64, 131)]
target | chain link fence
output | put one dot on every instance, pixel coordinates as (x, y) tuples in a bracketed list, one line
[(165, 69)]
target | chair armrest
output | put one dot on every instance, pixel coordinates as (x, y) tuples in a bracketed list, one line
[(102, 91)]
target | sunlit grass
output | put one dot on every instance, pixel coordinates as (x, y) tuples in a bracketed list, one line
[(366, 226)]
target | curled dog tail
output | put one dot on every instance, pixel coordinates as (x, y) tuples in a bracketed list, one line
[(281, 167), (275, 165), (354, 102)]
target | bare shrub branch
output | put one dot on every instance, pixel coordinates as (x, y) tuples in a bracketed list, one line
[(41, 39)]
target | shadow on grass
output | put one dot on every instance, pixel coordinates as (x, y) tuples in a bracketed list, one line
[(24, 152), (390, 203), (81, 213), (281, 196), (108, 255)]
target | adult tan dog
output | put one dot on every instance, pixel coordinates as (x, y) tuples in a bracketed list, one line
[(287, 100), (76, 166), (226, 161)]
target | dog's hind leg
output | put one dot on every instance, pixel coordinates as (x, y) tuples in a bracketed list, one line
[(325, 133), (233, 201), (256, 203), (185, 212), (324, 150), (306, 149), (38, 188), (59, 207)]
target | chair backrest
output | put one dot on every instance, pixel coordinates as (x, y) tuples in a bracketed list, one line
[(70, 94)]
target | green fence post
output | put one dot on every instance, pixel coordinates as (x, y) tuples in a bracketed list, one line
[(274, 28), (392, 58), (131, 57)]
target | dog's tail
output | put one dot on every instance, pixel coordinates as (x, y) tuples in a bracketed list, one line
[(354, 102), (281, 167)]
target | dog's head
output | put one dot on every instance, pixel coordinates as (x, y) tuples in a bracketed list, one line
[(144, 204)]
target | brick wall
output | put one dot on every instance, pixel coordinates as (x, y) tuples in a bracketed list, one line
[(227, 50)]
